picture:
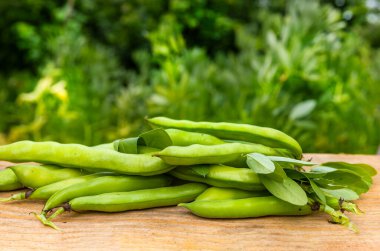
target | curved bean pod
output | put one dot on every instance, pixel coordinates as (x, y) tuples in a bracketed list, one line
[(245, 208), (220, 176), (8, 180), (212, 154), (106, 184), (255, 134), (79, 156), (35, 176), (222, 193), (186, 138)]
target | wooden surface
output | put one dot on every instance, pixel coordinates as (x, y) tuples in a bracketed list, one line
[(175, 229)]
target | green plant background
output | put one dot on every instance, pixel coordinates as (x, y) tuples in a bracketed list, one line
[(89, 71)]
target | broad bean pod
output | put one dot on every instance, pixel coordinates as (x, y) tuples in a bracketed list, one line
[(8, 180), (106, 184), (255, 134), (124, 201), (80, 156), (211, 154), (186, 138), (35, 176), (141, 199), (220, 176), (141, 149), (245, 208), (222, 193)]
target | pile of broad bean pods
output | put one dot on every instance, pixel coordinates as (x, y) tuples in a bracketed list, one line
[(215, 170)]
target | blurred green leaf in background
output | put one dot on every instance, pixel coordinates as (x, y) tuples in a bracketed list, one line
[(89, 71)]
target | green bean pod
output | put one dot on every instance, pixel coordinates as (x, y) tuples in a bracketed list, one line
[(222, 193), (212, 154), (220, 176), (141, 199), (8, 180), (141, 149), (124, 201), (186, 138), (35, 176), (44, 192), (245, 208), (105, 184), (79, 156), (255, 134)]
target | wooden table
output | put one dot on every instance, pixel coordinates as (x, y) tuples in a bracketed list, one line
[(175, 229)]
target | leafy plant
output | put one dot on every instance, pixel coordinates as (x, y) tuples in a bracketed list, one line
[(303, 68)]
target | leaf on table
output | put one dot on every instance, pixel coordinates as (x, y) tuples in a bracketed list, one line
[(343, 179), (362, 169)]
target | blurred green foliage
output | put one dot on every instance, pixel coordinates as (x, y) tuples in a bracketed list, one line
[(89, 71)]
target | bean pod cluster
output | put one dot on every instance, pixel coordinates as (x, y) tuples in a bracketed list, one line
[(215, 170)]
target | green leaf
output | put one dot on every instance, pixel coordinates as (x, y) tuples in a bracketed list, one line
[(295, 175), (260, 163), (302, 109), (343, 179), (318, 191), (344, 193), (318, 171), (278, 174), (128, 145), (156, 138), (322, 169), (115, 144), (345, 167), (362, 169), (201, 170), (291, 161), (287, 190)]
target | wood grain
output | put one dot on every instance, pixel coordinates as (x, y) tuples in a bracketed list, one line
[(175, 229)]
